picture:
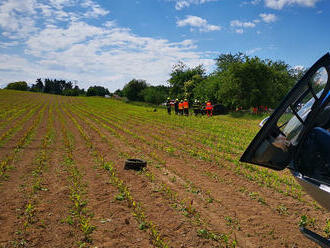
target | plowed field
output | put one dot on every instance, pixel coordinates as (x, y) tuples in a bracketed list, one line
[(63, 183)]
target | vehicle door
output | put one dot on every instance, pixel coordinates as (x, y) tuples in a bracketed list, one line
[(276, 143)]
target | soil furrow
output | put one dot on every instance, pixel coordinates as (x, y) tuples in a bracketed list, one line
[(12, 191), (275, 226), (139, 187)]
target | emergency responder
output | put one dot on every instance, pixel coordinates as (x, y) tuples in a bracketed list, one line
[(196, 107), (181, 107), (168, 105), (209, 108), (186, 107), (176, 106)]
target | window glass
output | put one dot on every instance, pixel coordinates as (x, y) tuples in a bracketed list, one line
[(319, 80), (291, 122)]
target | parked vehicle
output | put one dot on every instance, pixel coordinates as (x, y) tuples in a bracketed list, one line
[(282, 141), (218, 109)]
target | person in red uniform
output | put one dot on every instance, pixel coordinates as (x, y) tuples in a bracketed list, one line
[(209, 108), (186, 107), (181, 107)]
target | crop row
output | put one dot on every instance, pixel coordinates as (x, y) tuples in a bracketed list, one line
[(14, 114), (263, 177), (208, 196), (108, 166), (29, 216), (187, 144), (7, 162), (17, 126), (80, 215), (183, 205)]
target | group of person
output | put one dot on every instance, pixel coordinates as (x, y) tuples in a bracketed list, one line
[(182, 107)]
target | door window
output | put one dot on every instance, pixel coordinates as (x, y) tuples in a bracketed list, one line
[(292, 121)]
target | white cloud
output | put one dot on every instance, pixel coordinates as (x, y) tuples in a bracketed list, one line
[(180, 4), (52, 38), (65, 46), (95, 9), (268, 17), (60, 4), (9, 44), (239, 31), (255, 2), (253, 51), (197, 22), (237, 23), (16, 18), (279, 4)]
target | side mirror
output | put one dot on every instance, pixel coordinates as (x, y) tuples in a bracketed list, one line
[(263, 121)]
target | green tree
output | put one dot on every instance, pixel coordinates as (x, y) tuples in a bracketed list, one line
[(246, 84), (20, 85), (38, 86), (180, 75), (224, 61), (119, 92), (155, 94), (208, 89), (282, 80), (132, 90), (97, 91)]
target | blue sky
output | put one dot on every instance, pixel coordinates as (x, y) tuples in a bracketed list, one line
[(108, 43)]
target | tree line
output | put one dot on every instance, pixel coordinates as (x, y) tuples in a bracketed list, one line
[(58, 87), (239, 81)]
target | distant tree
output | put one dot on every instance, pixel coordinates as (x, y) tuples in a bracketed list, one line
[(97, 91), (82, 92), (190, 85), (208, 89), (282, 80), (119, 92), (38, 86), (246, 84), (49, 86), (224, 61), (132, 90), (180, 75), (155, 94), (297, 72), (20, 85)]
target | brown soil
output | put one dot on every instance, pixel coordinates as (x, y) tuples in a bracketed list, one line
[(182, 195), (12, 190), (265, 225)]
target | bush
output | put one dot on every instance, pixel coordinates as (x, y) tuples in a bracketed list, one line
[(21, 85)]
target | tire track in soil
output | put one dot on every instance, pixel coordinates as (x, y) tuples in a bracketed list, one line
[(252, 217), (115, 225), (172, 225), (11, 190)]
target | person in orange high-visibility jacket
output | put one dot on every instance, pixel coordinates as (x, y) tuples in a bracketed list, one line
[(186, 107), (181, 107), (209, 108)]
